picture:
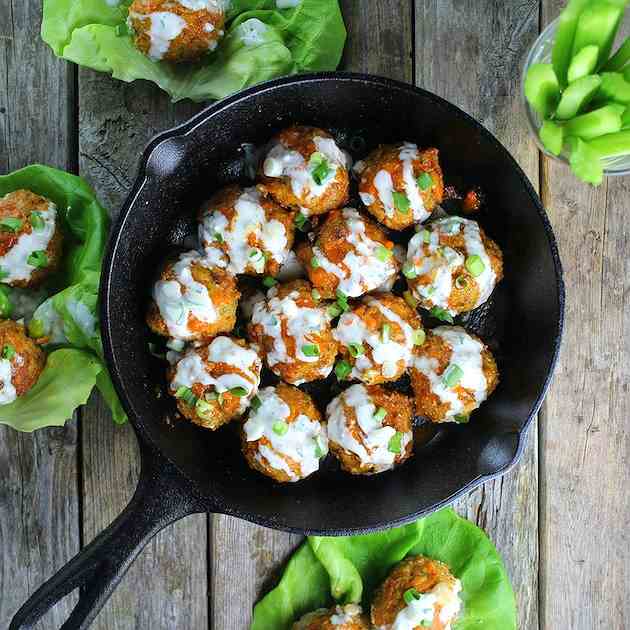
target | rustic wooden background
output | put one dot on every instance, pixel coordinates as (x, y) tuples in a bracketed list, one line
[(559, 519)]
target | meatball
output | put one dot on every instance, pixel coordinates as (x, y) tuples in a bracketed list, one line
[(21, 362), (400, 185), (306, 170), (452, 266), (349, 255), (30, 239), (418, 593), (293, 330), (176, 30), (193, 300), (370, 429), (348, 617), (284, 437), (214, 384), (377, 338), (452, 373), (245, 233)]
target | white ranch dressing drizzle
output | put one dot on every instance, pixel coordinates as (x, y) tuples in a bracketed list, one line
[(373, 449), (164, 28), (15, 261), (408, 154), (363, 270), (487, 280), (465, 353), (201, 5), (297, 444), (7, 389), (249, 219), (179, 299), (385, 187)]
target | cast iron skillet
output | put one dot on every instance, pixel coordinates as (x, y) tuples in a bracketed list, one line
[(186, 469)]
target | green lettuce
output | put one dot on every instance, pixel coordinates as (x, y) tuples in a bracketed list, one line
[(347, 569), (65, 310), (308, 37)]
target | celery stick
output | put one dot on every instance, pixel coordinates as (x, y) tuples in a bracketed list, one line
[(597, 25), (583, 63), (620, 58), (577, 96), (551, 135), (542, 89), (612, 144), (585, 162), (600, 121), (614, 88)]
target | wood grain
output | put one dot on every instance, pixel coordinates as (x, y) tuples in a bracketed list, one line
[(39, 503), (470, 52), (167, 586)]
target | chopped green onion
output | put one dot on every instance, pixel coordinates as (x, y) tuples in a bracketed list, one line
[(334, 310), (409, 270), (37, 221), (320, 447), (280, 427), (310, 350), (314, 262), (461, 282), (186, 394), (383, 253), (269, 282), (239, 392), (342, 370), (316, 295), (11, 224), (442, 314), (426, 236), (342, 301), (218, 237), (401, 201), (411, 301), (395, 444), (410, 595), (36, 328), (6, 306), (356, 349), (475, 265), (203, 409), (419, 337), (453, 375), (255, 253), (320, 167), (426, 623), (380, 414), (425, 181), (8, 352), (385, 331), (256, 403), (461, 418), (38, 259), (300, 222)]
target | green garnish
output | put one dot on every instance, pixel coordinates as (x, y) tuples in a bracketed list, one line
[(186, 394), (461, 418), (380, 414), (419, 337), (442, 314), (342, 301), (218, 237), (36, 328), (385, 331), (425, 623), (38, 259), (342, 370), (269, 282), (461, 282), (256, 253), (310, 350), (314, 262), (316, 295), (320, 168), (475, 265), (11, 224), (239, 392), (410, 595), (334, 311), (426, 236), (411, 301), (409, 270), (383, 253), (256, 403), (280, 427), (301, 222), (6, 307), (202, 408), (8, 352), (395, 444), (425, 181), (320, 448), (356, 349), (453, 375), (37, 221), (401, 202)]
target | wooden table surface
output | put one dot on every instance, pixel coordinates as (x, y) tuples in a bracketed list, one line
[(560, 518)]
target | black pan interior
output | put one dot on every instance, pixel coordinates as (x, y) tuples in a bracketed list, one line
[(522, 322)]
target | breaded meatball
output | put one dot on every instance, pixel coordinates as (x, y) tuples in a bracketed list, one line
[(452, 266), (418, 593), (348, 254), (176, 30), (400, 185), (293, 330), (348, 617), (305, 170), (214, 384), (452, 373), (21, 362), (243, 232), (370, 429), (377, 338), (192, 300), (283, 436), (30, 239)]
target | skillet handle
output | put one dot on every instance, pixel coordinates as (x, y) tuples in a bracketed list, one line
[(162, 497)]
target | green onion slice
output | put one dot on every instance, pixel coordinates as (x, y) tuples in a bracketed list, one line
[(356, 349), (320, 167), (461, 282), (395, 444), (314, 262), (453, 375), (11, 224), (410, 595), (6, 306), (380, 414), (256, 403), (269, 282), (218, 237), (426, 236), (320, 447), (8, 352), (419, 337), (37, 221), (186, 394), (342, 370), (239, 392), (383, 253), (38, 259), (300, 221), (425, 181), (442, 314), (409, 270), (475, 265), (411, 301), (203, 408), (385, 332), (461, 418), (280, 427), (401, 202), (334, 310), (310, 350), (316, 295)]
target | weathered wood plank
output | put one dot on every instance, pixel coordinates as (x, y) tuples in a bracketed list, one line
[(470, 52), (585, 502), (167, 586), (39, 503), (380, 42)]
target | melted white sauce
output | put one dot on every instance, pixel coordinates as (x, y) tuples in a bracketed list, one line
[(7, 390), (373, 450), (201, 5), (249, 220), (363, 270), (409, 153), (164, 28), (15, 261), (184, 297), (298, 444), (385, 187), (487, 280)]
